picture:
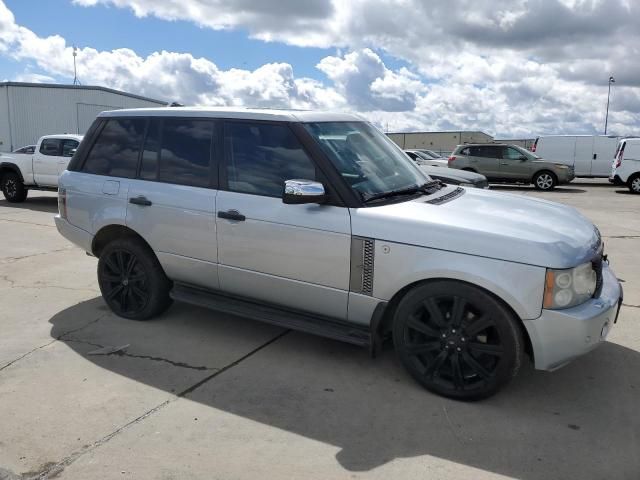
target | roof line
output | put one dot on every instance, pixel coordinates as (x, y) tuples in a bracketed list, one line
[(82, 87), (439, 131)]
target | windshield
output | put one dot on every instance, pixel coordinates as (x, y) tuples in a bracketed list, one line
[(366, 158)]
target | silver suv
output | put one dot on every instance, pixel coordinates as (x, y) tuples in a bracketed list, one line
[(505, 163), (319, 222)]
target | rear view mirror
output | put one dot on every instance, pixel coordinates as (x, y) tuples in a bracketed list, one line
[(303, 191)]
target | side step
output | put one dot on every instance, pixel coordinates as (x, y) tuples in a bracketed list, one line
[(295, 320)]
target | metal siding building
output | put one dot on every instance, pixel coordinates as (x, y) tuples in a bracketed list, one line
[(440, 142), (30, 110)]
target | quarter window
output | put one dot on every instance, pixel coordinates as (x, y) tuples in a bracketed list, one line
[(50, 147), (115, 152), (178, 150), (260, 157)]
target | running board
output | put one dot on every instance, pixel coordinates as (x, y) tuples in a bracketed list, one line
[(295, 320)]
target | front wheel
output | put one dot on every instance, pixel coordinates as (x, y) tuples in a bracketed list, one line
[(457, 340), (634, 184), (13, 188), (132, 281), (545, 181)]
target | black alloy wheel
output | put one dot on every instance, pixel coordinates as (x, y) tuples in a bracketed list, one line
[(13, 188), (132, 281), (457, 340)]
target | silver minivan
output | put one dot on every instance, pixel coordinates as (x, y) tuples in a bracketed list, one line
[(320, 223)]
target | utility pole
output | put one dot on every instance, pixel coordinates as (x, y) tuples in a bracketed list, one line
[(75, 72), (606, 118)]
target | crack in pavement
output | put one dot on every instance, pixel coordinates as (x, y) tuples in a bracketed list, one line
[(27, 223), (8, 260), (54, 469), (621, 236), (52, 341), (144, 357), (629, 305)]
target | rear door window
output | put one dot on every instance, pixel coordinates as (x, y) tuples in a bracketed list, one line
[(510, 153), (260, 157), (51, 147), (116, 150), (178, 150)]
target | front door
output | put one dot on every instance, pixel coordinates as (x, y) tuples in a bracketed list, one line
[(291, 255), (514, 165)]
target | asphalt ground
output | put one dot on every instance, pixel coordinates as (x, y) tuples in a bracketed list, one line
[(200, 395)]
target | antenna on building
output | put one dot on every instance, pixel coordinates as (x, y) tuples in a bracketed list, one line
[(75, 72)]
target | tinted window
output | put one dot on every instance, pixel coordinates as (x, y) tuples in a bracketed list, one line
[(50, 146), (261, 157), (185, 155), (68, 146), (151, 151), (485, 151), (115, 152), (511, 153)]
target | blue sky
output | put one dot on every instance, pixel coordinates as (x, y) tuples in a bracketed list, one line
[(493, 65), (107, 28)]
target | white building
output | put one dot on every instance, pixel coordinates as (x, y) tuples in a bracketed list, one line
[(30, 110)]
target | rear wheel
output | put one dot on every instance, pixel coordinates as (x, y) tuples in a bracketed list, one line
[(13, 188), (132, 281), (545, 180), (634, 183), (457, 340)]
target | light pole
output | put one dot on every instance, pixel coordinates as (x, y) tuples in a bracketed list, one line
[(606, 118), (75, 72)]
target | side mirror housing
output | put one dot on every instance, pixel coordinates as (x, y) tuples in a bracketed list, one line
[(303, 191)]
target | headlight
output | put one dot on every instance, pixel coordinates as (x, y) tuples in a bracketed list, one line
[(568, 288)]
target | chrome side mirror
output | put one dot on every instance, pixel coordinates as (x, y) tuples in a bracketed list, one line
[(303, 191)]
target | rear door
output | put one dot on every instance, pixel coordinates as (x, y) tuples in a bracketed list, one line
[(514, 164), (583, 156), (603, 152), (172, 202), (45, 162), (486, 160), (292, 255)]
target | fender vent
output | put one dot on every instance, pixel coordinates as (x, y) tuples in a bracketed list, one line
[(362, 257), (447, 197)]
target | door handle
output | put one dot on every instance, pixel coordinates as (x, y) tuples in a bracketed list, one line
[(232, 215), (142, 201)]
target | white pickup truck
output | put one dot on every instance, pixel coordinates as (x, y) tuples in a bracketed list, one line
[(20, 172)]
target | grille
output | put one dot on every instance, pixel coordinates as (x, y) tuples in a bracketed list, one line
[(367, 267), (447, 197)]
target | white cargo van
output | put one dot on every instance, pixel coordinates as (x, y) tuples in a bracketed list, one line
[(590, 155)]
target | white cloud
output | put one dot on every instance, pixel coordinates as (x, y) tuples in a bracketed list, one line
[(518, 68)]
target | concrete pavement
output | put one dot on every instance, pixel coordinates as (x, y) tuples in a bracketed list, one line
[(198, 395)]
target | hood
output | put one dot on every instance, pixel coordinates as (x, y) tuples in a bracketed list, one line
[(460, 175), (488, 224)]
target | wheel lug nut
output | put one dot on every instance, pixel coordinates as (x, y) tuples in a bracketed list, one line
[(453, 331), (459, 349)]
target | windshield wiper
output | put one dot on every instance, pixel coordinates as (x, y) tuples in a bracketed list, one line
[(428, 188)]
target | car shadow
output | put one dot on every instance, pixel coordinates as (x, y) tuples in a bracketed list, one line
[(529, 188), (47, 204), (578, 422)]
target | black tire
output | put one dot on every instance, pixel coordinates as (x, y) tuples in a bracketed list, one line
[(132, 281), (13, 188), (457, 340), (634, 183), (545, 180)]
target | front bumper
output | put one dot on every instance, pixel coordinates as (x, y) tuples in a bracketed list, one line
[(559, 336), (75, 235)]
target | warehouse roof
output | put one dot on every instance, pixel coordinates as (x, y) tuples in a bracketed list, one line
[(81, 87)]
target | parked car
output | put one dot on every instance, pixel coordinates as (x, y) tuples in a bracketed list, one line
[(589, 155), (626, 164), (28, 149), (504, 163), (430, 153), (320, 223), (424, 159), (452, 176), (21, 172)]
